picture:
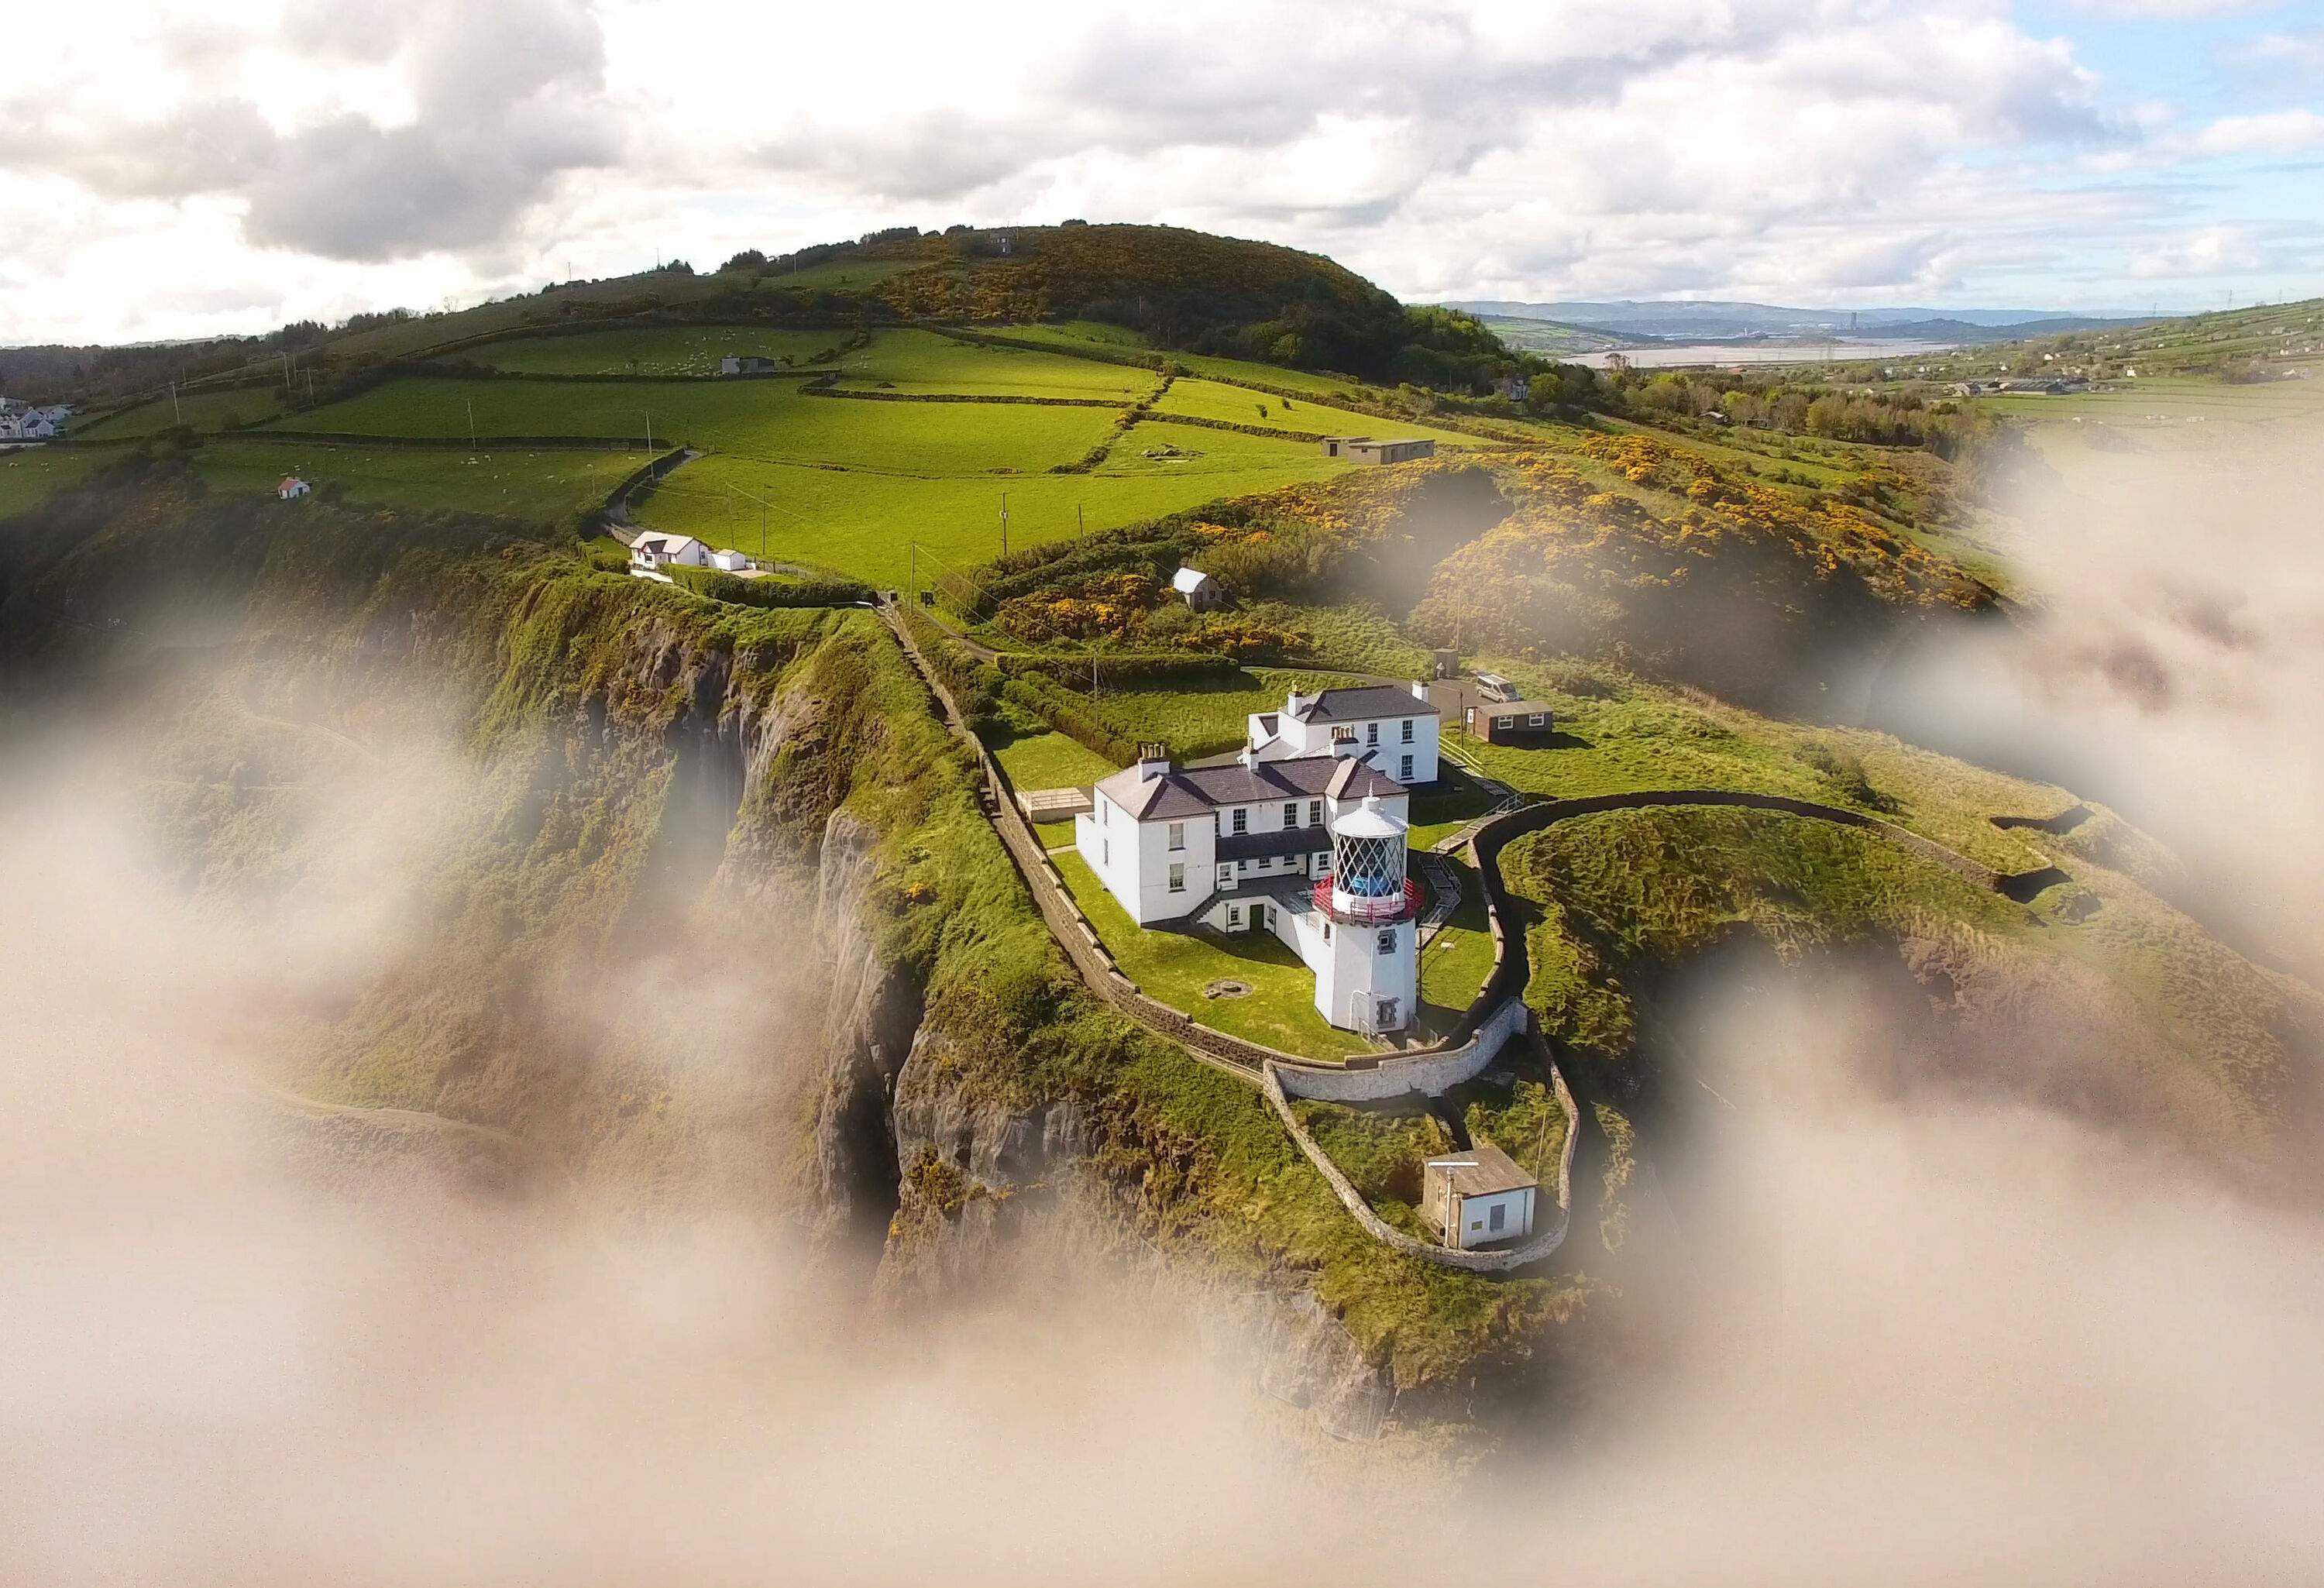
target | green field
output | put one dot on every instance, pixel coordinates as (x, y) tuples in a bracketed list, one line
[(1210, 716), (839, 275), (1049, 761), (864, 522), (204, 411), (918, 362), (2173, 401), (1173, 968), (1082, 333), (540, 486), (665, 350), (1242, 406), (28, 474)]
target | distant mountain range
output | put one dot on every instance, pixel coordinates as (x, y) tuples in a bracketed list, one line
[(1709, 319)]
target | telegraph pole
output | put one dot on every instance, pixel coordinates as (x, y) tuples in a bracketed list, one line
[(650, 420), (1004, 523), (472, 424), (177, 412)]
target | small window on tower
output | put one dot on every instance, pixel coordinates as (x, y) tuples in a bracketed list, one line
[(1388, 941)]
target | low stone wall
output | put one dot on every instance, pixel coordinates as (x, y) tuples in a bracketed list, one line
[(1432, 1071), (1498, 1261)]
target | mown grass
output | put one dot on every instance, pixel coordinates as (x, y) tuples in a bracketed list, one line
[(1049, 761), (542, 487), (1455, 963), (1210, 716), (659, 350), (1175, 967)]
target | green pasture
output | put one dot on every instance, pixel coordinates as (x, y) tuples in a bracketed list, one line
[(1241, 405), (28, 474), (662, 350), (203, 411), (839, 275), (920, 362), (769, 421), (863, 522), (1208, 716), (1082, 333), (2174, 400), (539, 487), (1049, 761)]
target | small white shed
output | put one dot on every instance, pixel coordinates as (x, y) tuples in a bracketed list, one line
[(729, 560), (1203, 592), (291, 486), (1477, 1198)]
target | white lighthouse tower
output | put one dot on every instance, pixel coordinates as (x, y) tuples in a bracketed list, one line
[(1368, 978)]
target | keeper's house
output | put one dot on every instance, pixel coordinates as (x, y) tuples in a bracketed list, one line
[(1310, 848), (1393, 731)]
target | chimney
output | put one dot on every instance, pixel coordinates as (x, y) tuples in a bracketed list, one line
[(1250, 758), (1420, 687), (1153, 761), (1291, 707)]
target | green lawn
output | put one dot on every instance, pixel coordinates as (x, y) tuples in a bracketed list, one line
[(204, 411), (769, 421), (1173, 967), (1457, 959), (1049, 761), (542, 486), (914, 361), (1241, 405), (665, 350), (28, 474), (1212, 718)]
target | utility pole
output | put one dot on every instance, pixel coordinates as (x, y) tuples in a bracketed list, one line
[(762, 532), (177, 412), (1004, 523), (1079, 528), (286, 376), (650, 431), (472, 424)]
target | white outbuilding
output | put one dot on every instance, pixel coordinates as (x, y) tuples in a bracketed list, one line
[(1479, 1197), (729, 560), (290, 488), (1202, 592)]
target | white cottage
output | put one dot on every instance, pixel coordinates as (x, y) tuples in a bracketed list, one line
[(290, 488), (1477, 1198), (1202, 592), (1310, 848), (1393, 731), (653, 551)]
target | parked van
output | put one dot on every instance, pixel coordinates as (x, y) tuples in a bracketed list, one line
[(1493, 687)]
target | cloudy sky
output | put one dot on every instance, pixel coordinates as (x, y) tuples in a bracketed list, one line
[(179, 169)]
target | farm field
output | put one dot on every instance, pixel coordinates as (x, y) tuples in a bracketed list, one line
[(2172, 401), (769, 421), (1242, 406), (662, 350), (1049, 761), (862, 521), (538, 486), (1082, 333), (1173, 967), (851, 274), (28, 474), (203, 411), (920, 362), (1209, 717)]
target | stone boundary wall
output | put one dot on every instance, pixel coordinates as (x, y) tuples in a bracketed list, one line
[(1501, 1261), (873, 394), (1429, 1070)]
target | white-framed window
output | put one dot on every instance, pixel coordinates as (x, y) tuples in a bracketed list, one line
[(1314, 813), (1320, 861), (1538, 719), (1371, 733), (1177, 877), (1405, 770), (1226, 874), (1178, 834), (1241, 866), (1241, 819), (1234, 917), (1406, 730), (1388, 941), (1291, 813)]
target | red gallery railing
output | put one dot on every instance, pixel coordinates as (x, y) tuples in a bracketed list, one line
[(1363, 910)]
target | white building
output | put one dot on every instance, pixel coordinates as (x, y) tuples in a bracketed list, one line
[(651, 552), (290, 487), (1477, 1198), (731, 562), (1393, 731), (1202, 592), (1310, 848)]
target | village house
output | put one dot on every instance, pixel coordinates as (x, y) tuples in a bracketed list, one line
[(652, 552), (290, 488), (1479, 1197), (1512, 388), (1511, 721), (745, 363), (1393, 731), (1203, 592), (1365, 449), (1309, 849)]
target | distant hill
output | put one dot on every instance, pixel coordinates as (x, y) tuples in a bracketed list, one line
[(1710, 319)]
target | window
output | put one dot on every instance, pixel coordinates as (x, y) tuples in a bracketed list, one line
[(1226, 876), (1388, 941), (1243, 865), (1105, 813), (1538, 719), (1234, 917), (1314, 813), (1327, 929), (1291, 813), (1178, 877), (1178, 834), (1371, 733), (1242, 821), (1407, 730), (1499, 1217), (1105, 852), (1405, 772)]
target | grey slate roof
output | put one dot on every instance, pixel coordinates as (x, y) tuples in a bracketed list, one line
[(1486, 1169), (1198, 790), (1498, 709), (1368, 704), (1282, 841)]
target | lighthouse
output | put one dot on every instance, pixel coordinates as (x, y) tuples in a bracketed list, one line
[(1367, 977)]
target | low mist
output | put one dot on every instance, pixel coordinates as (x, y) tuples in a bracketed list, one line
[(1866, 1331)]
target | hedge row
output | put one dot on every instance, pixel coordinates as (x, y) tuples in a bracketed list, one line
[(741, 592), (859, 394), (1127, 669)]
